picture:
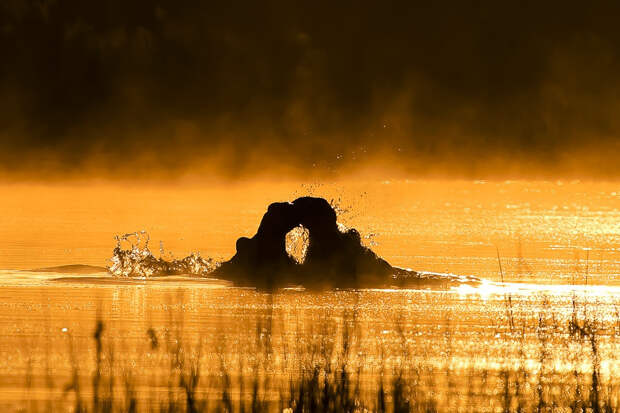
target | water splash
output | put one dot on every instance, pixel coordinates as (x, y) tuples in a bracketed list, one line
[(139, 261), (297, 242)]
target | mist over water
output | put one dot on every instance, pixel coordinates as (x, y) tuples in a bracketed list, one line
[(160, 89)]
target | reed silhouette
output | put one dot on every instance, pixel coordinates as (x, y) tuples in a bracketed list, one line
[(331, 371)]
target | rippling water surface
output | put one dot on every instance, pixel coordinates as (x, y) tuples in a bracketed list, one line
[(558, 243)]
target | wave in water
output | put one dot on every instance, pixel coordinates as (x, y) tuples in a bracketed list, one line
[(137, 260)]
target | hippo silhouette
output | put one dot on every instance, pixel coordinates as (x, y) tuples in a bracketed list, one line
[(334, 259)]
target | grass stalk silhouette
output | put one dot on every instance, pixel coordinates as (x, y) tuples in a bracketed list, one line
[(330, 372)]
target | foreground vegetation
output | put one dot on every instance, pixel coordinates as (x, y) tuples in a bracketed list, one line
[(555, 362)]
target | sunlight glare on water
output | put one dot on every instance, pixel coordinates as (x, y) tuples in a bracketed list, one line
[(558, 245)]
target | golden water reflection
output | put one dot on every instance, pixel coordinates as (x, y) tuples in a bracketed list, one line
[(534, 343), (458, 343)]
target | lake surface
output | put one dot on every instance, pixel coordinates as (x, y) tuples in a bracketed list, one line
[(558, 242)]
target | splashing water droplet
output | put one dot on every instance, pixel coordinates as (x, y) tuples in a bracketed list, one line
[(297, 241), (138, 261)]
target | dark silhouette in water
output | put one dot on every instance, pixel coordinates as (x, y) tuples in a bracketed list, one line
[(333, 259)]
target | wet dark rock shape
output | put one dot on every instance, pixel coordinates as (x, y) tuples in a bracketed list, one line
[(334, 259)]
